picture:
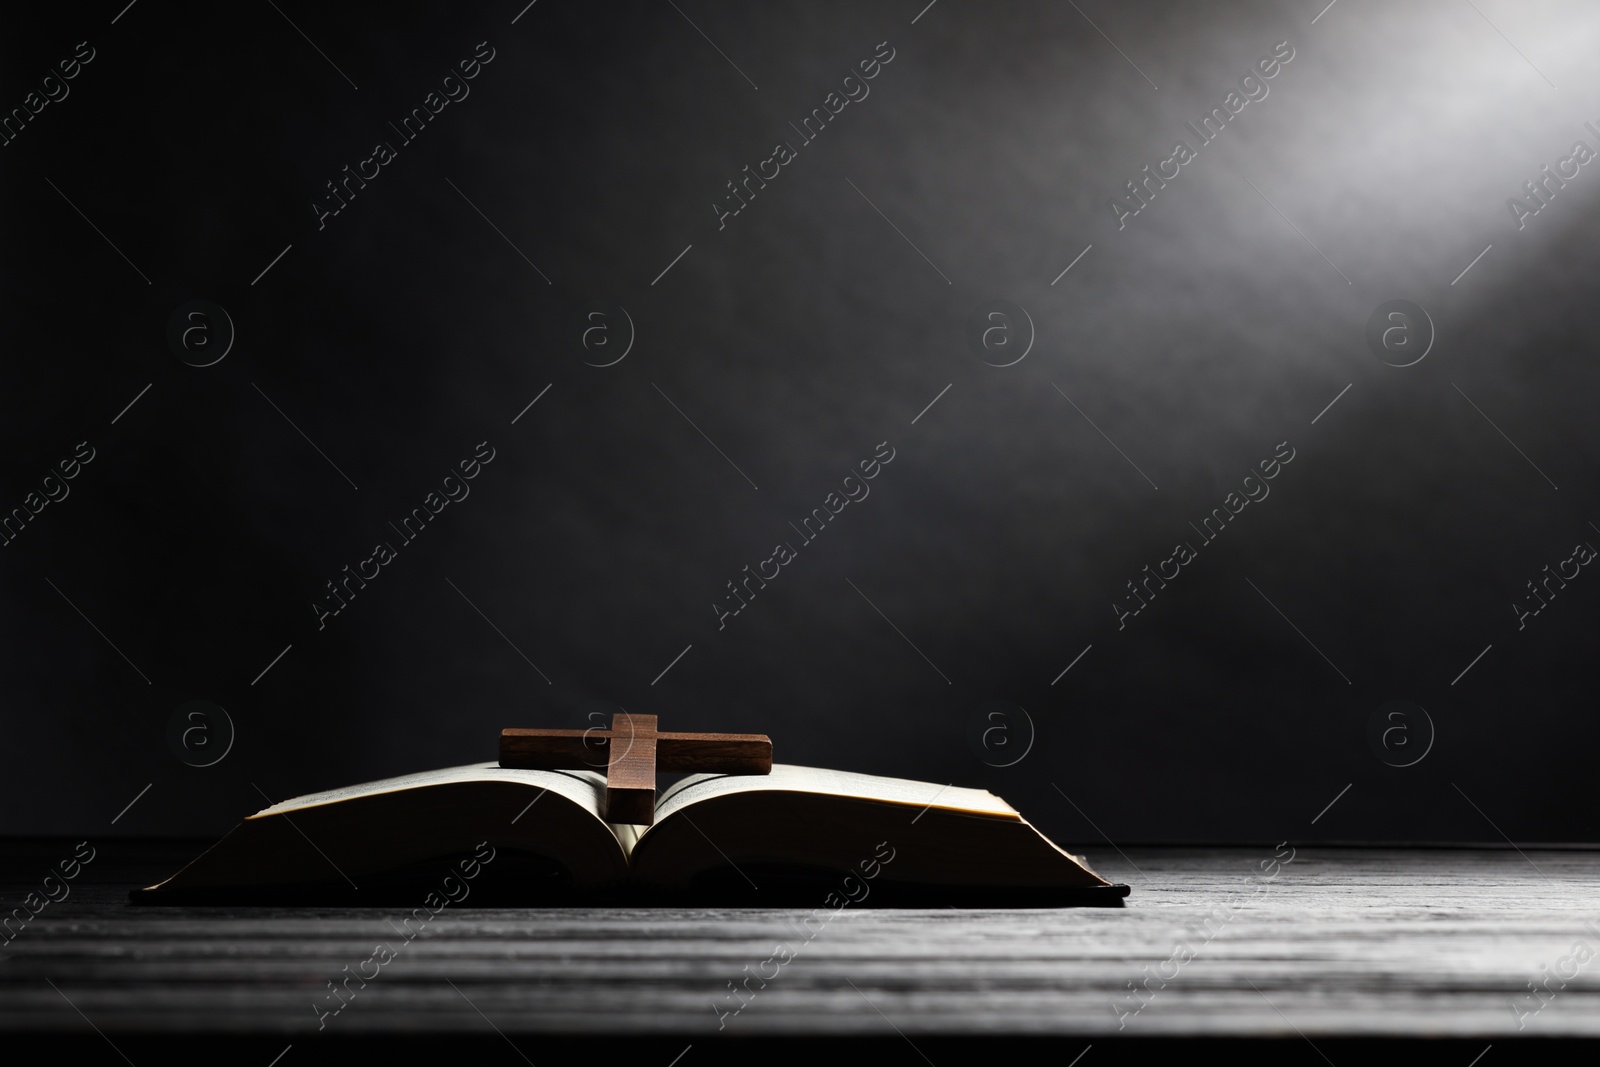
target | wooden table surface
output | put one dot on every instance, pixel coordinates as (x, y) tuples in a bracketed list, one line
[(1344, 943)]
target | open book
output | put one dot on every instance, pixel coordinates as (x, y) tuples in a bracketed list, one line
[(538, 837)]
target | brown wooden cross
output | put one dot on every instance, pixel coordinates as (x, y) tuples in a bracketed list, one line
[(633, 751)]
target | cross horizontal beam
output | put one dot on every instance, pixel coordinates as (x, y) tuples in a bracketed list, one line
[(675, 752)]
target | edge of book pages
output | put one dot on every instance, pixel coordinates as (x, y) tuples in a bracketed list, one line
[(581, 788)]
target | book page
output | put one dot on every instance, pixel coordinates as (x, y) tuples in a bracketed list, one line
[(396, 824), (787, 777), (584, 788)]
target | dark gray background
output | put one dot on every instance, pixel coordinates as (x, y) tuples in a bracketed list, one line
[(797, 338)]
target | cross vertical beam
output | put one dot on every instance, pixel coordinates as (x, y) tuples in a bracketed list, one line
[(631, 770)]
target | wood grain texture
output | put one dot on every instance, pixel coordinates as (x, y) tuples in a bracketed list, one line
[(631, 772), (555, 750), (714, 753), (1342, 942)]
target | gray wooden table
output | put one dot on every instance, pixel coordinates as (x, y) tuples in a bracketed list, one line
[(1342, 944)]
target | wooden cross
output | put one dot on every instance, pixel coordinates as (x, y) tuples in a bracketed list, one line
[(633, 751)]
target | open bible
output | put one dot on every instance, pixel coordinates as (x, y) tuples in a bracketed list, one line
[(538, 837)]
